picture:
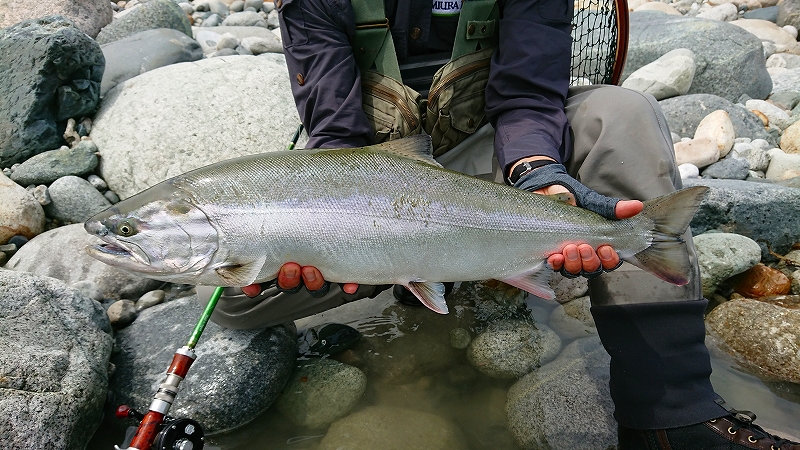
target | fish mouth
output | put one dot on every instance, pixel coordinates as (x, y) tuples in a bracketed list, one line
[(114, 252), (112, 249)]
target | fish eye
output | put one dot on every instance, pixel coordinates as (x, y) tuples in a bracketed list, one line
[(126, 229)]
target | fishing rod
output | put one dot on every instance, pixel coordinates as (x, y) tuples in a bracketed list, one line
[(156, 429)]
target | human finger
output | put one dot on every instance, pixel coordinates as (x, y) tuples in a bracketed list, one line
[(312, 278), (289, 276), (608, 257), (590, 262)]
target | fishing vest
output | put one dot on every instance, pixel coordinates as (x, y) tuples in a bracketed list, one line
[(455, 104)]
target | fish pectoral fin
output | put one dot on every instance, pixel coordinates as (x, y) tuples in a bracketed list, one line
[(535, 281), (430, 294), (563, 197), (238, 274)]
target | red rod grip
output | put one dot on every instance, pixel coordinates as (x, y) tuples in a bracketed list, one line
[(148, 429), (180, 365)]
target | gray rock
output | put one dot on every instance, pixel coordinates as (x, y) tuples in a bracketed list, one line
[(259, 45), (145, 51), (785, 79), (718, 46), (757, 158), (257, 364), (512, 348), (97, 182), (766, 213), (788, 13), (668, 76), (88, 15), (121, 313), (214, 20), (49, 166), (321, 391), (245, 19), (51, 72), (769, 13), (573, 319), (56, 345), (728, 169), (386, 427), (150, 299), (74, 200), (145, 135), (723, 255), (684, 114), (460, 338), (257, 4), (60, 253), (219, 8), (566, 403), (146, 16)]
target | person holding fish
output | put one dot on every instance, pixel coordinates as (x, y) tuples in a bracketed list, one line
[(505, 81)]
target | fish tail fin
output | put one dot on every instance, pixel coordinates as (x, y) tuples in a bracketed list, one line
[(669, 217)]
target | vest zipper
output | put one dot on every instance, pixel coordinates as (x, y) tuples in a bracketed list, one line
[(454, 75), (394, 99)]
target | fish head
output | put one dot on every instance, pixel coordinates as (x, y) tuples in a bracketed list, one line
[(159, 233)]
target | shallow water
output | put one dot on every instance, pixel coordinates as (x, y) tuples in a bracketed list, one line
[(477, 406)]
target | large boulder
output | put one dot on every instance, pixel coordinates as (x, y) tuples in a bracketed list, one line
[(147, 15), (20, 213), (685, 113), (53, 366), (718, 46), (764, 212), (236, 376), (88, 15), (60, 253), (145, 51), (50, 71), (157, 125)]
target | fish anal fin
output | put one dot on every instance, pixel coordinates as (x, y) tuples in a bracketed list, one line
[(430, 294), (417, 147), (239, 274), (535, 281)]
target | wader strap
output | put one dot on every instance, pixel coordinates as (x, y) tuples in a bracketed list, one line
[(373, 46), (477, 27)]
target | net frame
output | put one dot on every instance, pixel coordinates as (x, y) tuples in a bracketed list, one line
[(599, 41)]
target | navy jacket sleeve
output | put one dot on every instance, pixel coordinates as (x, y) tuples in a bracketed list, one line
[(529, 79), (325, 80)]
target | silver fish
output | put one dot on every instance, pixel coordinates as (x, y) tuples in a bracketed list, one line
[(385, 214)]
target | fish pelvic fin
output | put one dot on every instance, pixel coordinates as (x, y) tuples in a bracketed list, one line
[(667, 257), (430, 294), (237, 275), (535, 281), (418, 147)]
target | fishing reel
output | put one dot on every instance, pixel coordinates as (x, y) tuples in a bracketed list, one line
[(172, 433)]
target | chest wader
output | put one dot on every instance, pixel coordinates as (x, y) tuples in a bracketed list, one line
[(455, 104)]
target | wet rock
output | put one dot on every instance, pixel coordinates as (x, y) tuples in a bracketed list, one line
[(698, 152), (144, 137), (574, 319), (460, 338), (387, 427), (145, 51), (718, 46), (762, 337), (512, 348), (49, 166), (320, 391), (88, 15), (60, 253), (149, 15), (56, 345), (766, 213), (668, 76), (722, 255), (257, 365), (52, 71), (761, 281), (74, 200), (566, 403), (718, 127), (20, 212)]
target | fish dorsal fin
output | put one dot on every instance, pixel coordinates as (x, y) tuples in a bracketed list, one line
[(536, 281), (418, 147), (430, 294), (235, 274)]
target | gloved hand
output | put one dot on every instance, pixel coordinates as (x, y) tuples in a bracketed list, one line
[(555, 173)]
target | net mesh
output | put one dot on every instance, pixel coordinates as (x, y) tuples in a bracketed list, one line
[(594, 42)]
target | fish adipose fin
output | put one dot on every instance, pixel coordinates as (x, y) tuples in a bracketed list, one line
[(418, 147), (240, 274), (535, 281), (430, 294), (666, 257)]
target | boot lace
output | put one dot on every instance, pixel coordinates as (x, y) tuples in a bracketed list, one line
[(744, 420)]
